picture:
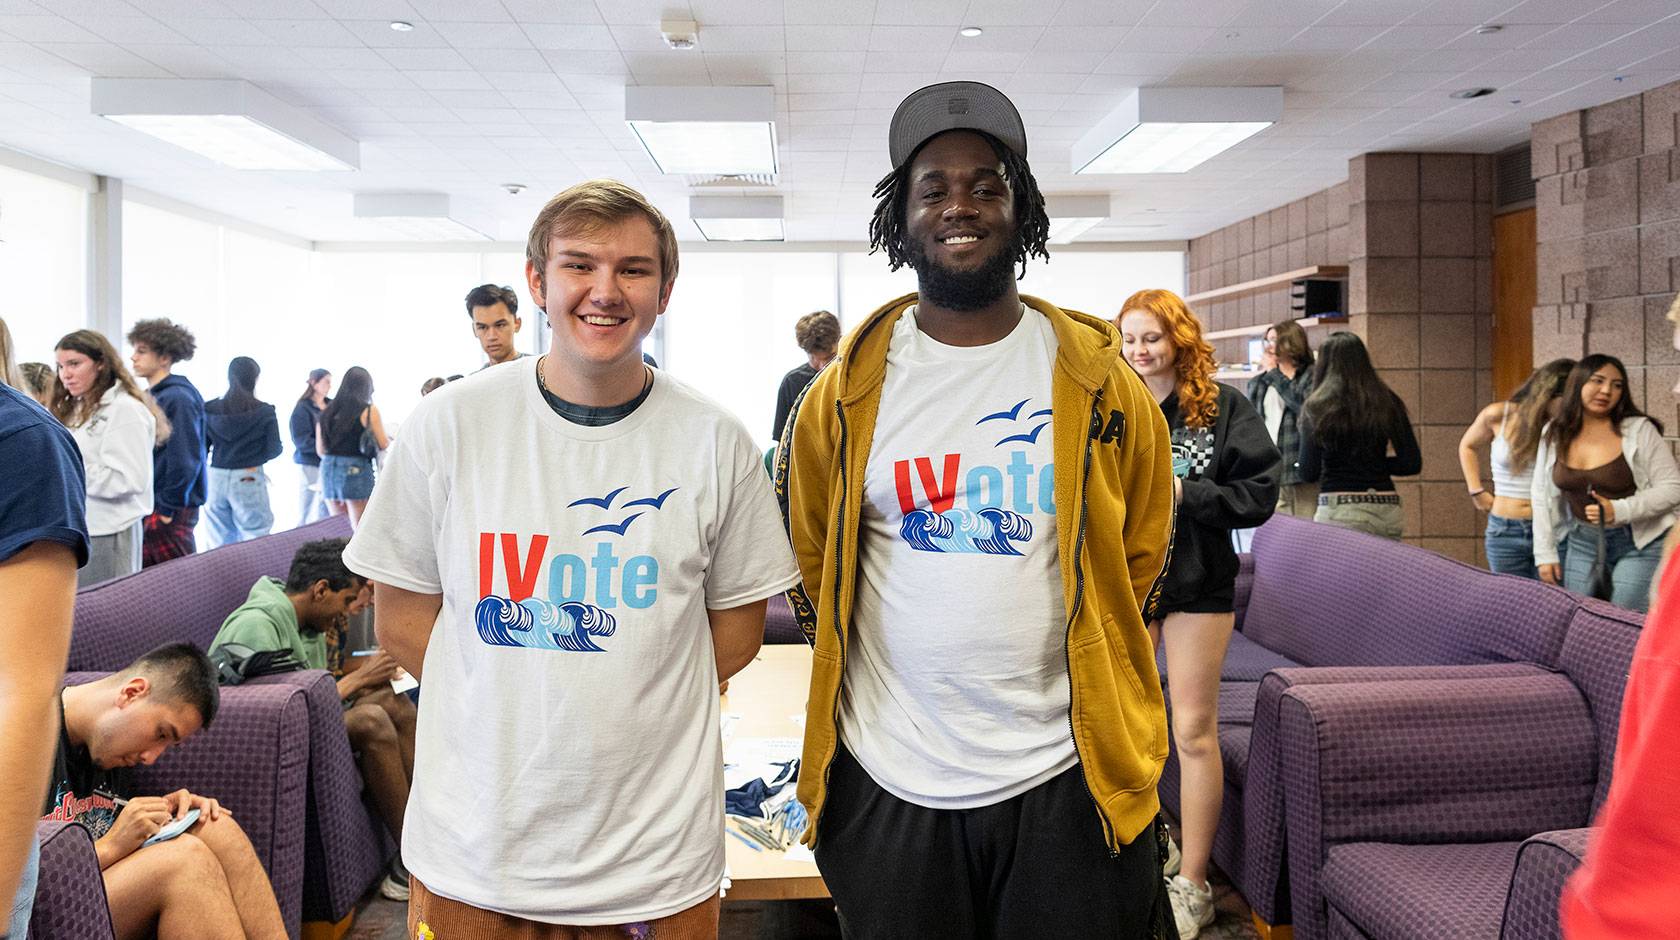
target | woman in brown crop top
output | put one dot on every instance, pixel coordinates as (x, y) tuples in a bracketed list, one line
[(1611, 468)]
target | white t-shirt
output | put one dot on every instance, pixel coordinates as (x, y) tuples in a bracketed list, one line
[(956, 691), (568, 765)]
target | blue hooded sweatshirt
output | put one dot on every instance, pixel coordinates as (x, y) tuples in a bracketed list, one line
[(179, 477)]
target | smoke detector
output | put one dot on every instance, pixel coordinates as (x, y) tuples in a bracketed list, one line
[(680, 34), (513, 189)]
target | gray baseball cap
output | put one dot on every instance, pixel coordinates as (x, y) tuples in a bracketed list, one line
[(950, 106)]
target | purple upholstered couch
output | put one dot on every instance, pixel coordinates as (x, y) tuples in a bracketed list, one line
[(1322, 605), (252, 759), (342, 846), (1451, 807)]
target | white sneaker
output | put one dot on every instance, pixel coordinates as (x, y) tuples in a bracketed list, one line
[(393, 890), (1192, 906), (1174, 859)]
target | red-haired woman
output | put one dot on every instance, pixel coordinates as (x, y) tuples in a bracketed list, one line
[(1226, 471)]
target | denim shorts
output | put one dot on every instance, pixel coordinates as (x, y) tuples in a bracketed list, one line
[(344, 478)]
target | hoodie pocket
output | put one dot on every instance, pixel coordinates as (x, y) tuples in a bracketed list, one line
[(1119, 719)]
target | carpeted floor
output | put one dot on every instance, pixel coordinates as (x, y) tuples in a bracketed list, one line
[(380, 919)]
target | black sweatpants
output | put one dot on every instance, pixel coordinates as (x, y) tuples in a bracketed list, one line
[(1030, 867)]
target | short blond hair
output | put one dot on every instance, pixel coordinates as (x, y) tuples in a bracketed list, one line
[(592, 205)]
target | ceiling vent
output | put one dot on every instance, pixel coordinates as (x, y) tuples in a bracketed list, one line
[(731, 181)]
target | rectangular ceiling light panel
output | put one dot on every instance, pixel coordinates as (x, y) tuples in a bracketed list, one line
[(231, 122), (417, 216), (723, 131), (1073, 216), (738, 218), (1171, 130)]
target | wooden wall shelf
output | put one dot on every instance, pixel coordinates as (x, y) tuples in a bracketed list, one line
[(1324, 271), (1260, 329)]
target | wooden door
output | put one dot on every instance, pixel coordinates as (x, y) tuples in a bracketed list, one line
[(1514, 251)]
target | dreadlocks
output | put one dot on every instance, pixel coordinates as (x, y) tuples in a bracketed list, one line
[(1032, 224)]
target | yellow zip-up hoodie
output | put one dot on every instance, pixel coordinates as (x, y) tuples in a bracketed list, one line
[(1114, 519)]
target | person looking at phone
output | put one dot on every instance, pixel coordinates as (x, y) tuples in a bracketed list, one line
[(299, 616), (205, 882)]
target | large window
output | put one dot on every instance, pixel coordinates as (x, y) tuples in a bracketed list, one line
[(43, 261)]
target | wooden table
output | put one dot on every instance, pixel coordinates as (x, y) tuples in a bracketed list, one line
[(767, 696)]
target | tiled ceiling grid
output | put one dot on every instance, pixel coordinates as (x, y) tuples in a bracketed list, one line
[(485, 92)]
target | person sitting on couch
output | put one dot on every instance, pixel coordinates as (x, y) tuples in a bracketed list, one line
[(300, 617), (206, 882)]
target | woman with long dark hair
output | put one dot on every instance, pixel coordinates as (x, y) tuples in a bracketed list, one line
[(116, 425), (346, 466), (244, 434), (1512, 429), (1278, 394), (1603, 462), (305, 413), (1225, 477), (1348, 424)]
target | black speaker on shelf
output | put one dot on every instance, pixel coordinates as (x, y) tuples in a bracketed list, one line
[(1317, 297)]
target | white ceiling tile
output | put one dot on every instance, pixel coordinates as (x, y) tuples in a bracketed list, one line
[(1176, 12), (575, 36), (828, 12), (274, 9), (810, 62), (219, 33), (989, 13), (360, 57), (727, 69), (736, 12), (1415, 38), (483, 35), (1006, 62), (105, 60), (446, 79), (741, 39), (821, 102), (135, 30), (826, 38), (1230, 40), (932, 40), (186, 61), (893, 85), (375, 78), (1066, 63), (380, 35), (425, 59), (1281, 13), (553, 11), (653, 69), (457, 11), (307, 33), (1003, 39), (1162, 39), (468, 99), (368, 9), (1127, 62), (79, 11), (828, 83), (642, 11), (44, 28), (921, 12), (1555, 12), (1059, 39), (1508, 37), (897, 62)]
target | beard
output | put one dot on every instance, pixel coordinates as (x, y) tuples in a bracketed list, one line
[(962, 290)]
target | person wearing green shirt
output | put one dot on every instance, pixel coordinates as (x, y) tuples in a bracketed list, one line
[(299, 616)]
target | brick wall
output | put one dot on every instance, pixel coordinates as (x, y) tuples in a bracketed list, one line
[(1416, 233), (1312, 230), (1420, 241), (1607, 193)]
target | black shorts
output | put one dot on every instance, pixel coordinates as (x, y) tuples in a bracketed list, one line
[(1035, 865), (1217, 600)]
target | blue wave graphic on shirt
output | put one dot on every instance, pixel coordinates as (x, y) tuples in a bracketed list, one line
[(960, 532), (534, 623)]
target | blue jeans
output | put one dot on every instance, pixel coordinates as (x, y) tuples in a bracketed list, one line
[(237, 508), (1510, 546), (23, 904), (1631, 568)]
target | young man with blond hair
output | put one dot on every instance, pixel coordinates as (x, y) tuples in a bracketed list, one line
[(571, 553)]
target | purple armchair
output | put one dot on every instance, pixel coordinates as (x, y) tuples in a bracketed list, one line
[(344, 848), (252, 760), (1451, 807), (1318, 604)]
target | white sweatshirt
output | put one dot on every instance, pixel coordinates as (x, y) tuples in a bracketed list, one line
[(116, 446)]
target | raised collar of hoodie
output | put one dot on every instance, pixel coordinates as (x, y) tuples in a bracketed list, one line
[(1087, 347)]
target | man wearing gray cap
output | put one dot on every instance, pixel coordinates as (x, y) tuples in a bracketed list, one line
[(980, 495)]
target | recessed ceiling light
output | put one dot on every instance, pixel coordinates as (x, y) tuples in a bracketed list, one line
[(1488, 29), (969, 32), (1467, 93), (402, 26)]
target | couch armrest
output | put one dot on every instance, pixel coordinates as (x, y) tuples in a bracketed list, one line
[(254, 759), (70, 895), (1262, 880), (1544, 863), (1426, 761)]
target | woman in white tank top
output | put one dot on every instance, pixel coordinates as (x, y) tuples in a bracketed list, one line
[(1512, 428)]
